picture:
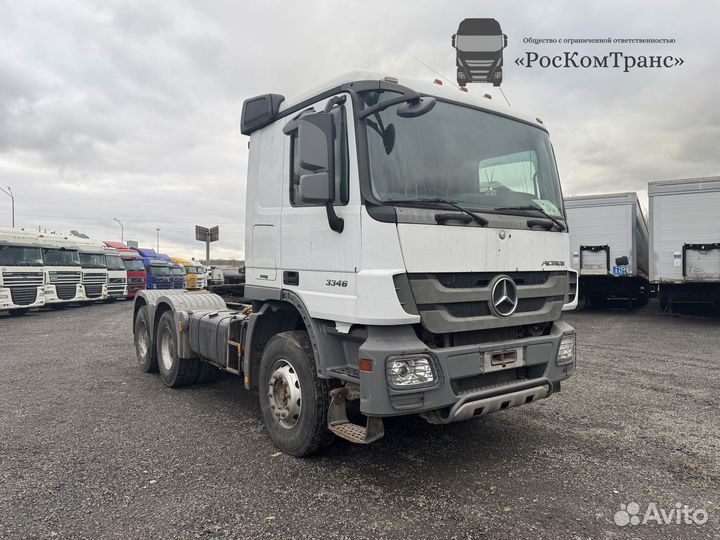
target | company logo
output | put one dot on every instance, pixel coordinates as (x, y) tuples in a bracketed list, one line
[(503, 297), (553, 263), (680, 514), (479, 44)]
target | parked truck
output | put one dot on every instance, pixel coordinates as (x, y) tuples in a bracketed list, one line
[(380, 267), (685, 240), (191, 273), (136, 274), (609, 248), (94, 268), (158, 270), (177, 272), (21, 271), (117, 287), (63, 271)]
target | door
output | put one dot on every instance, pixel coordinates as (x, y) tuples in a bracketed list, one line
[(317, 262)]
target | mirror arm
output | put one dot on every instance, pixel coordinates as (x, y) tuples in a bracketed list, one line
[(335, 100), (407, 97), (336, 223)]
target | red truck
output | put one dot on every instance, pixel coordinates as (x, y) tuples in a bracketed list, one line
[(136, 274)]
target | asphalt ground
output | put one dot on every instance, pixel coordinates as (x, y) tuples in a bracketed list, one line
[(91, 447)]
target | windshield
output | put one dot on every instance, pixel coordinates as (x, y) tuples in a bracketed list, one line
[(20, 256), (93, 260), (114, 262), (480, 160), (134, 265), (60, 257), (159, 270), (479, 43), (177, 271), (191, 270)]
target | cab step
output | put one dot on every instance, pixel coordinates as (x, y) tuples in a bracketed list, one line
[(339, 424)]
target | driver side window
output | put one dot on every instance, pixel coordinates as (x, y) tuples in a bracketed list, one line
[(342, 184)]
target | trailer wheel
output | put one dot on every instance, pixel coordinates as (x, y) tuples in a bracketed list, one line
[(174, 371), (293, 400), (18, 312), (144, 350)]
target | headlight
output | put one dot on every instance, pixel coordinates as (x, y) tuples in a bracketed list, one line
[(566, 351), (408, 371)]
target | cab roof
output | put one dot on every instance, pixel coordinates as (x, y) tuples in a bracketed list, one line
[(446, 91)]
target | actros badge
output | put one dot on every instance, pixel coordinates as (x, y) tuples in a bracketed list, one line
[(479, 44)]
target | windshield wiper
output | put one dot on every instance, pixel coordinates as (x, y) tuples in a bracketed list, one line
[(536, 209), (425, 202)]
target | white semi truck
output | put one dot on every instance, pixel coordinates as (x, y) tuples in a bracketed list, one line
[(406, 247), (94, 268), (21, 271), (117, 286), (63, 274), (685, 240), (609, 248)]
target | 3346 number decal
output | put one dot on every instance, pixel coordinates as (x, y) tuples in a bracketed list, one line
[(336, 283)]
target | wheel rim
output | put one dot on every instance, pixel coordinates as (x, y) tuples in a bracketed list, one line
[(167, 345), (284, 395), (142, 342)]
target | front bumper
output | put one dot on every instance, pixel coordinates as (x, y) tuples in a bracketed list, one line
[(467, 384)]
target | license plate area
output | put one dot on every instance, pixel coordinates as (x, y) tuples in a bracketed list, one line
[(503, 359)]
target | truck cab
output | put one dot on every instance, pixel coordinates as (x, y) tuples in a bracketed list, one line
[(117, 275), (158, 270), (479, 44), (136, 274), (63, 272), (406, 248), (94, 268), (21, 271), (177, 272)]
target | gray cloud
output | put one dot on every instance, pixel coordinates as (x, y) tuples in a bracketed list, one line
[(130, 109)]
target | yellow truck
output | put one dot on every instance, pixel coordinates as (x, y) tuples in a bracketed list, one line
[(191, 273)]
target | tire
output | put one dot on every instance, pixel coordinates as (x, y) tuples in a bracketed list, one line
[(174, 371), (144, 349), (18, 312), (288, 359)]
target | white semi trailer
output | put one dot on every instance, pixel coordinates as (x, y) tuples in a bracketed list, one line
[(21, 271), (609, 248), (406, 248), (685, 240)]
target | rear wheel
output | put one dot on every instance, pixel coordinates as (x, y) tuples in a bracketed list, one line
[(18, 312), (144, 350), (174, 371), (293, 400)]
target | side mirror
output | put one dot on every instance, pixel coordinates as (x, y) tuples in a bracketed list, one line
[(453, 40), (504, 40), (315, 135), (316, 188)]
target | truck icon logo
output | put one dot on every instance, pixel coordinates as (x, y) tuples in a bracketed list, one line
[(503, 297), (479, 44)]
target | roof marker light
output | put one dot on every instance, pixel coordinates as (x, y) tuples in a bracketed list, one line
[(391, 80), (437, 81), (464, 89), (487, 96)]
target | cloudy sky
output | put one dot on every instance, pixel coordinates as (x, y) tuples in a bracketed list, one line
[(131, 109)]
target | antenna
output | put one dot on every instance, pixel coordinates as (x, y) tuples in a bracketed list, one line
[(435, 71)]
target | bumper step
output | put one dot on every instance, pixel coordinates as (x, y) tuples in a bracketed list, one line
[(339, 424)]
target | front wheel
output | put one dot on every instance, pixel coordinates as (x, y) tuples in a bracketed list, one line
[(293, 400)]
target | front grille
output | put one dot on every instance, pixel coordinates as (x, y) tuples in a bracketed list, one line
[(22, 279), (134, 287), (94, 277), (65, 277), (136, 280), (116, 280), (23, 296), (66, 291), (93, 291), (459, 301)]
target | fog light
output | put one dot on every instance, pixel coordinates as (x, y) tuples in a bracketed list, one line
[(566, 351), (409, 371)]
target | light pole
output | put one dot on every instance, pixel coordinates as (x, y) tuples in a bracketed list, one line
[(158, 239), (9, 193), (122, 230)]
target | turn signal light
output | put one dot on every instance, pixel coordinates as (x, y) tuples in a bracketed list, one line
[(365, 365)]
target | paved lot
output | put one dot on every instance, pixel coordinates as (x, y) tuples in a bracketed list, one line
[(91, 447)]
